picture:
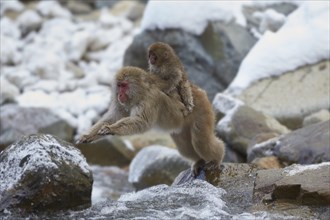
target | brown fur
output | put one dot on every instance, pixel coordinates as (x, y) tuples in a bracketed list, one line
[(148, 107), (169, 68)]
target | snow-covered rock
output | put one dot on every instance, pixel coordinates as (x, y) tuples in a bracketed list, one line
[(8, 91), (270, 20), (9, 28), (12, 5), (28, 21), (52, 9), (156, 165), (10, 53), (41, 172)]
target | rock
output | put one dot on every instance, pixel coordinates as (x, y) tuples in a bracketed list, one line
[(156, 165), (250, 10), (243, 126), (236, 178), (17, 121), (8, 91), (292, 96), (78, 7), (216, 54), (307, 145), (239, 182), (42, 173), (51, 9), (307, 184), (29, 21), (270, 20), (320, 116), (109, 183), (108, 151), (133, 10), (13, 5), (10, 54)]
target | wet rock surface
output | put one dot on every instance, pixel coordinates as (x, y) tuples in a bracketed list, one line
[(43, 173)]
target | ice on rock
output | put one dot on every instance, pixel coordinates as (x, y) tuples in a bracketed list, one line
[(9, 53), (297, 168), (9, 28), (29, 20), (52, 9), (197, 200), (270, 20), (12, 5)]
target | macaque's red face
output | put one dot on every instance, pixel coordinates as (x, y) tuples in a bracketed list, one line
[(122, 91)]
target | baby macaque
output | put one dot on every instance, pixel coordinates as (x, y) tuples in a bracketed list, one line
[(164, 63)]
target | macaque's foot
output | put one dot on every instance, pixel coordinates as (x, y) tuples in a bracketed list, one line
[(197, 167), (105, 130), (85, 139)]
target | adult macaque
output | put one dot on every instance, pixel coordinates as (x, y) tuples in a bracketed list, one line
[(164, 63), (140, 105)]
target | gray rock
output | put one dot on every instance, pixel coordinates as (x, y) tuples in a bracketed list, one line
[(307, 184), (8, 91), (293, 95), (323, 115), (211, 59), (307, 145), (29, 21), (108, 151), (17, 121), (243, 126), (156, 165), (41, 173), (281, 7)]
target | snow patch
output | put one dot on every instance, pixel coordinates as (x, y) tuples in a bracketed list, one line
[(296, 168), (303, 39)]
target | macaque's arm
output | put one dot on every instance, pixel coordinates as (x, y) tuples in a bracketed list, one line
[(108, 118)]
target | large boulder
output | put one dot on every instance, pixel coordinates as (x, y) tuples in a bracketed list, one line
[(214, 55), (42, 173), (17, 121), (308, 184), (242, 126), (156, 165), (293, 95), (307, 145)]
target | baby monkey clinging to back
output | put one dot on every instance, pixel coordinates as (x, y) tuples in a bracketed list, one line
[(164, 63)]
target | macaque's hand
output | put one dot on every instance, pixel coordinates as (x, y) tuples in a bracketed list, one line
[(86, 139), (105, 130)]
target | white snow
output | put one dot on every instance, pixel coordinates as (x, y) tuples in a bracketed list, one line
[(68, 64), (296, 168), (12, 5), (187, 15), (38, 154), (303, 39)]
